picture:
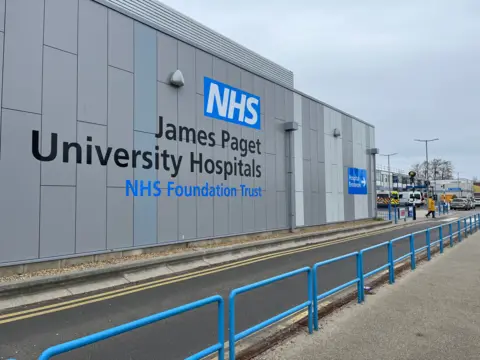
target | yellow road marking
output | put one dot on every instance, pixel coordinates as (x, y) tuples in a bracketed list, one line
[(25, 314)]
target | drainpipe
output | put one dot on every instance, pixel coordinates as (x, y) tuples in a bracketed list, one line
[(289, 128)]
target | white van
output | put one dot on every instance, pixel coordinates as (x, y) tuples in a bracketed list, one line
[(416, 198), (404, 198)]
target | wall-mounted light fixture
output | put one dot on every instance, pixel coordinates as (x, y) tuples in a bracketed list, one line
[(336, 132), (177, 79)]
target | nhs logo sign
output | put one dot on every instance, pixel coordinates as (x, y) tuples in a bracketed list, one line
[(227, 103)]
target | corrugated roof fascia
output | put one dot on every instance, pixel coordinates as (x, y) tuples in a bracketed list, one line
[(178, 25)]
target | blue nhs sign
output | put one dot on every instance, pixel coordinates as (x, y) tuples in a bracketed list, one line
[(227, 103)]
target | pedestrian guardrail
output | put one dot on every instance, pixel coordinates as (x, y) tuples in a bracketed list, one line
[(232, 337), (103, 335), (318, 297), (311, 304)]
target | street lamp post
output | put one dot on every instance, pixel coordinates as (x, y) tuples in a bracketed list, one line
[(390, 187), (389, 173), (426, 141)]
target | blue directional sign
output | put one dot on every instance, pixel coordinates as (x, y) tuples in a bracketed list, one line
[(454, 189), (357, 181)]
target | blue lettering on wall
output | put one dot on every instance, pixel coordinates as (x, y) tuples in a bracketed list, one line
[(224, 102)]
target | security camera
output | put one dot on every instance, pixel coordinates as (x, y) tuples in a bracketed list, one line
[(177, 79)]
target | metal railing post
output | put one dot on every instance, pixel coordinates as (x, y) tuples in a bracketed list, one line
[(389, 211), (395, 215), (471, 225), (450, 229), (427, 236), (412, 251), (391, 264), (459, 228), (440, 235), (313, 299), (231, 327), (465, 227), (361, 295)]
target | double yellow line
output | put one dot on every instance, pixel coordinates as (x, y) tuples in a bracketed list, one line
[(70, 304)]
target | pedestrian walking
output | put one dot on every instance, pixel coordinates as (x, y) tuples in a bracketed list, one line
[(431, 207)]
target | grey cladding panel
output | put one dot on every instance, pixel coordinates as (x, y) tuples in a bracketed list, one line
[(260, 213), (59, 114), (120, 122), (271, 198), (92, 63), (2, 15), (235, 213), (347, 128), (119, 219), (203, 67), (307, 190), (279, 102), (187, 94), (204, 216), (61, 24), (187, 218), (281, 209), (167, 218), (167, 57), (270, 173), (347, 153), (120, 41), (20, 187), (22, 71), (57, 227), (313, 115), (248, 205), (91, 213), (164, 17)]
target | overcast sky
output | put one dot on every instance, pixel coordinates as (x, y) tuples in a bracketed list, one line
[(411, 68)]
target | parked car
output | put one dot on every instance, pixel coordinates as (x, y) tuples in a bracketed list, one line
[(477, 201), (460, 204)]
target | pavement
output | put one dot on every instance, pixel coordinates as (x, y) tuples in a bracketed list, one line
[(27, 331), (432, 313)]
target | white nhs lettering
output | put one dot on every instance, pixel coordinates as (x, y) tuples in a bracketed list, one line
[(226, 103)]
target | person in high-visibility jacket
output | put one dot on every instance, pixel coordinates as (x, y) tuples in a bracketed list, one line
[(431, 207)]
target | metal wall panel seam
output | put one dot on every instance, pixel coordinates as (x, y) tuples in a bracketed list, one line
[(41, 134)]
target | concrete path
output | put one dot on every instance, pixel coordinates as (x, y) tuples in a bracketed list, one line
[(431, 313)]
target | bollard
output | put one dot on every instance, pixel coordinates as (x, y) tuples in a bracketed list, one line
[(389, 212), (395, 214), (440, 235), (412, 251), (427, 237), (451, 234)]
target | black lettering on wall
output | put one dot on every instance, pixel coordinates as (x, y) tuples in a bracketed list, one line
[(36, 146)]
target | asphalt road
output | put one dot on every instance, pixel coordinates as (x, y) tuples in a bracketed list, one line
[(183, 335)]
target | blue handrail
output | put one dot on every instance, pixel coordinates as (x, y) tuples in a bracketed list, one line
[(358, 280), (232, 337), (103, 335)]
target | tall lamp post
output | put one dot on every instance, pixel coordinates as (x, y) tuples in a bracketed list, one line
[(390, 187), (426, 141), (389, 173)]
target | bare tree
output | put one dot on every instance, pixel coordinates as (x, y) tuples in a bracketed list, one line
[(420, 169), (437, 169), (435, 166), (446, 170)]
